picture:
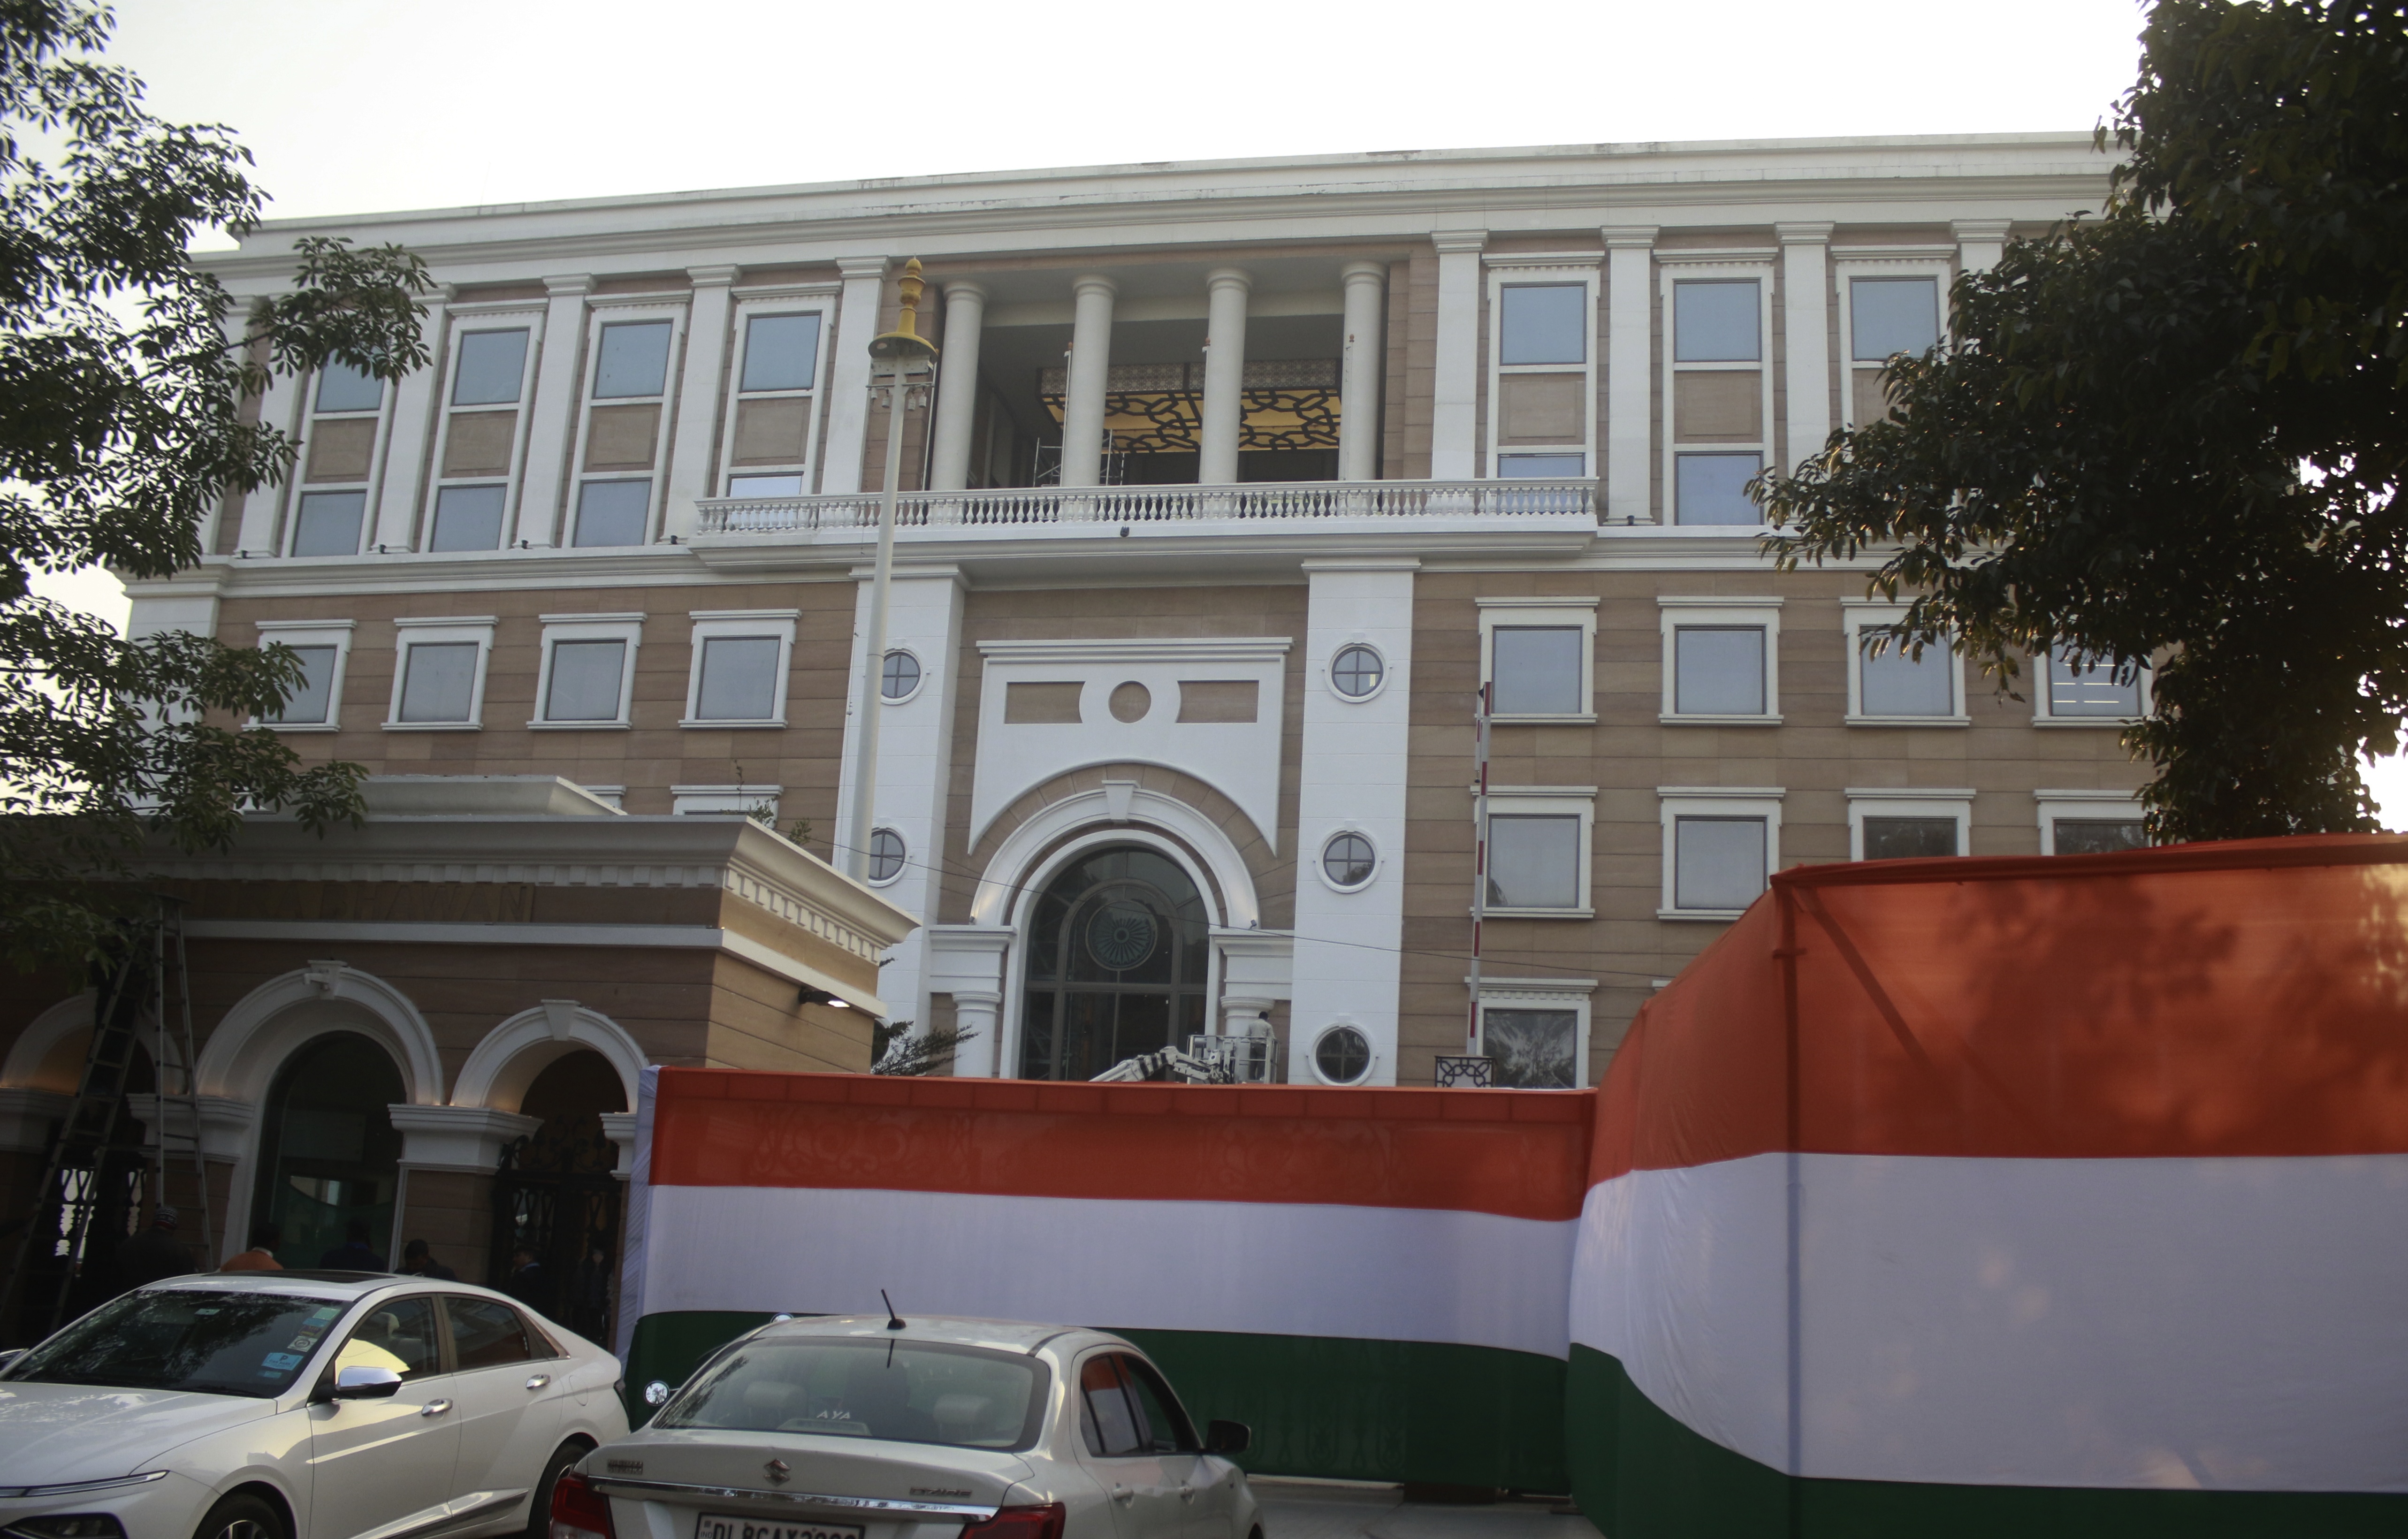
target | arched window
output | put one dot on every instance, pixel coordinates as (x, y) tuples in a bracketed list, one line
[(328, 1155), (1117, 958)]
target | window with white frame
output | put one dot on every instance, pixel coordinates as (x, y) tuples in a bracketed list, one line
[(1888, 305), (737, 677), (1534, 1032), (438, 673), (1542, 367), (1721, 846), (758, 803), (482, 435), (2081, 691), (773, 416), (342, 443), (625, 436), (613, 797), (1538, 656), (588, 677), (1908, 823), (1537, 850), (324, 650), (1889, 683), (1722, 660), (2089, 822), (1717, 387)]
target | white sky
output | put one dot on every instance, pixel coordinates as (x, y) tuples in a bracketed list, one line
[(353, 106)]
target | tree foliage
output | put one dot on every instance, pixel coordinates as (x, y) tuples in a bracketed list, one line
[(2171, 437), (122, 377)]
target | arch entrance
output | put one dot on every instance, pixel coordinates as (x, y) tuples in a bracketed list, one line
[(1119, 963), (329, 1157)]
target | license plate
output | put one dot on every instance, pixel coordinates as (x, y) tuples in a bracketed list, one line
[(720, 1525)]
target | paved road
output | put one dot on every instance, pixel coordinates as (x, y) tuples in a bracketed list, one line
[(1305, 1509)]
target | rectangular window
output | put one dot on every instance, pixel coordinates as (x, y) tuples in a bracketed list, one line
[(1538, 670), (1533, 861), (311, 702), (1909, 837), (612, 513), (328, 523), (343, 388), (2089, 822), (438, 679), (1896, 683), (2078, 688), (1716, 393), (491, 368), (1718, 670), (1713, 488), (620, 441), (773, 417), (1716, 320), (585, 678), (1718, 862), (2100, 836), (478, 443), (1543, 323), (1531, 1049), (739, 678), (1896, 822), (467, 518), (633, 359), (1892, 315), (781, 352), (1541, 467)]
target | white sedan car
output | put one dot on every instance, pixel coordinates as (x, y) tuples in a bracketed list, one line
[(864, 1427), (298, 1406)]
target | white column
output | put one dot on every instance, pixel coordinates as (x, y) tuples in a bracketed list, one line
[(1980, 242), (553, 429), (957, 385), (1355, 757), (1091, 364), (694, 452), (966, 961), (1806, 336), (405, 453), (1629, 367), (1224, 374), (280, 409), (847, 417), (1454, 393), (1358, 377)]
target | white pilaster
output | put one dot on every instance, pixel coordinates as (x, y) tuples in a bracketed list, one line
[(957, 384), (1806, 336), (1980, 242), (848, 418), (1090, 372), (280, 409), (467, 1138), (554, 427), (1629, 370), (1358, 377), (694, 452), (1224, 374), (967, 962), (405, 455), (1454, 393), (1345, 967)]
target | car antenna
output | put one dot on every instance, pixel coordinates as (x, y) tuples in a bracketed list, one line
[(893, 1322)]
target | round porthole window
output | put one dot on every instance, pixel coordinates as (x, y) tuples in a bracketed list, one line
[(1347, 861), (1342, 1056), (901, 678), (1356, 670), (885, 854)]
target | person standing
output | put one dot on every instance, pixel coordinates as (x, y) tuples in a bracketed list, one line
[(354, 1254), (418, 1261), (154, 1255), (261, 1256)]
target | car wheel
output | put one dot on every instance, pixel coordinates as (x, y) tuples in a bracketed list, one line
[(540, 1509), (242, 1516)]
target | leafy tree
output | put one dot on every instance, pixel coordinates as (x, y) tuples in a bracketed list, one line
[(2171, 437), (892, 1049), (124, 373)]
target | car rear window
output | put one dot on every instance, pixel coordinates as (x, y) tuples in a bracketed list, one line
[(963, 1397), (203, 1341)]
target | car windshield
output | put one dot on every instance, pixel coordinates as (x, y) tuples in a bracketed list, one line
[(211, 1342), (906, 1392)]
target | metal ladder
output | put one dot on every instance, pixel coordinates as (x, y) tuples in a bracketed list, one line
[(72, 1189)]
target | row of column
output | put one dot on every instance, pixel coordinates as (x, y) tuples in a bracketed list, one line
[(1093, 295)]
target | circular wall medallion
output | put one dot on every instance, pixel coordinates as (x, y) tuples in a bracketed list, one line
[(1121, 935), (1131, 701)]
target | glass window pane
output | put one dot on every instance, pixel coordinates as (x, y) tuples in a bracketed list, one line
[(1714, 321), (1888, 315), (399, 1334), (1357, 672), (899, 676), (2089, 690), (635, 359), (612, 513), (780, 352), (584, 681), (764, 486), (1343, 1055), (740, 679), (885, 854), (1106, 1418), (328, 523), (2098, 836), (438, 681), (485, 1333), (343, 388), (1898, 685), (315, 693), (1909, 838), (467, 518), (1544, 323), (1533, 860), (492, 368), (1717, 862), (1531, 1049), (1541, 467), (830, 1388), (1713, 489), (1346, 860), (1536, 671), (1718, 670)]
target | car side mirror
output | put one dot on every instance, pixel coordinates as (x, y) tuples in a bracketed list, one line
[(1228, 1437), (365, 1381)]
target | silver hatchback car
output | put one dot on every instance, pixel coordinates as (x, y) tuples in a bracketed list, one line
[(863, 1427)]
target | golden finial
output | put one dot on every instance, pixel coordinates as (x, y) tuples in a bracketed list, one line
[(905, 340)]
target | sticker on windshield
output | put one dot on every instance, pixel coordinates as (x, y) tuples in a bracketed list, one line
[(282, 1362), (320, 1316), (303, 1342)]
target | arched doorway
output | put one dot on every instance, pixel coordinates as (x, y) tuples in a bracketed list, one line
[(555, 1244), (328, 1155), (1119, 956)]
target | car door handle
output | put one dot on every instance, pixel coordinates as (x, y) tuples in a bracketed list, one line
[(435, 1407), (1187, 1493), (539, 1381), (1123, 1495)]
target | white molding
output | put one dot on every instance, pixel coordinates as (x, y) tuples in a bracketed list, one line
[(408, 632), (21, 1069), (501, 1066), (1584, 272), (1560, 612), (241, 1055), (623, 628), (313, 633), (467, 1138), (1676, 613), (1908, 802), (1170, 649), (1008, 880), (739, 625), (2083, 806), (1578, 802), (1675, 802), (1858, 615), (29, 1119)]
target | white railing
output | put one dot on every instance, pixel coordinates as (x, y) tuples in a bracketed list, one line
[(1266, 500)]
